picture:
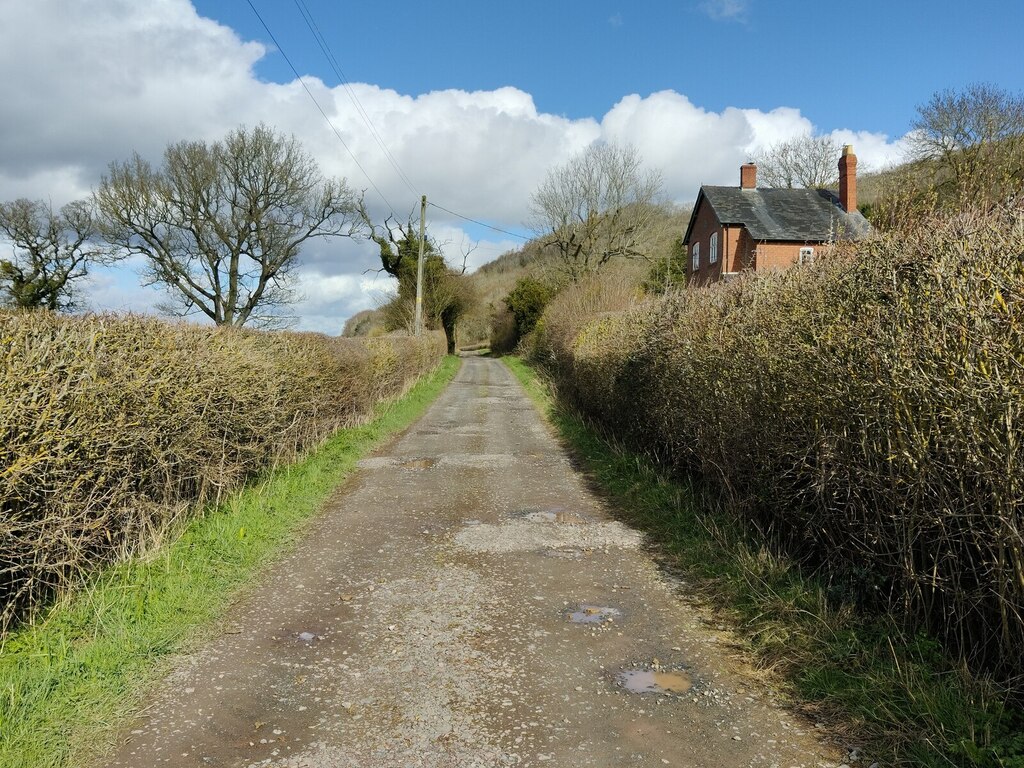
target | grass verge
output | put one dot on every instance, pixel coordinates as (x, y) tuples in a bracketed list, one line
[(67, 682), (897, 699)]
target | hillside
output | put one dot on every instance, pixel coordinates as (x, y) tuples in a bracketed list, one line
[(493, 281)]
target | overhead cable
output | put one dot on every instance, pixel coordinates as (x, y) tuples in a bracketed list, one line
[(320, 108), (481, 223), (325, 48)]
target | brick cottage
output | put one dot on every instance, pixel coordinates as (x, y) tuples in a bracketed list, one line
[(733, 229)]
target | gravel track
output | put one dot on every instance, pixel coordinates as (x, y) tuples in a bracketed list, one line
[(425, 621)]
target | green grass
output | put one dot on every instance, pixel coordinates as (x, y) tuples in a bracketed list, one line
[(896, 696), (68, 682)]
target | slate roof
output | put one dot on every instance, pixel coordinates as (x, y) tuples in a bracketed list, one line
[(795, 215)]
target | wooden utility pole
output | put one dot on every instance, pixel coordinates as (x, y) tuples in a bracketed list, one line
[(419, 268)]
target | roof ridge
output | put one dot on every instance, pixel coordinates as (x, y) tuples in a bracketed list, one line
[(801, 214)]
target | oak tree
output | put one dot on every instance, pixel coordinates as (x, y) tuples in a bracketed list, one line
[(221, 225)]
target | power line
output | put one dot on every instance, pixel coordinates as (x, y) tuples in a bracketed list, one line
[(320, 108), (325, 48), (490, 249), (524, 238)]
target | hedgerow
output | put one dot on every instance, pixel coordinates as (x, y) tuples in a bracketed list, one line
[(863, 414), (114, 428)]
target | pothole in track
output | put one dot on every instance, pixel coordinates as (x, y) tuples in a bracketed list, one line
[(419, 463), (594, 614), (654, 681), (566, 553)]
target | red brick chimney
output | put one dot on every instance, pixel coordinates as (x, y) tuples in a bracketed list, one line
[(848, 179), (748, 176)]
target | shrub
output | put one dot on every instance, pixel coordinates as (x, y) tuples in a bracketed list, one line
[(526, 302), (111, 428), (668, 273), (864, 414), (522, 308)]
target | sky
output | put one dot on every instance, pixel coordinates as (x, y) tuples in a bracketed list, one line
[(474, 101)]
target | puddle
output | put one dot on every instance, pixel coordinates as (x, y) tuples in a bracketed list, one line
[(594, 614), (418, 463), (307, 637), (566, 553), (654, 681)]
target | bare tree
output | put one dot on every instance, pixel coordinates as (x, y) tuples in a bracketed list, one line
[(221, 225), (805, 161), (976, 138), (51, 251), (596, 207)]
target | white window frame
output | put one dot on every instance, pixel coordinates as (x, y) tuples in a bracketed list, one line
[(807, 255), (696, 256), (713, 249)]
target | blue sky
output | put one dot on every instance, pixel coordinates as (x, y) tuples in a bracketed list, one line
[(476, 101), (865, 64)]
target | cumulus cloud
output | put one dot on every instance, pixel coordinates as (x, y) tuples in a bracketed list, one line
[(136, 76), (96, 80), (331, 299), (874, 151)]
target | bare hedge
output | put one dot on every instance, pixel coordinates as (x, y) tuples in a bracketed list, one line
[(111, 428), (863, 413)]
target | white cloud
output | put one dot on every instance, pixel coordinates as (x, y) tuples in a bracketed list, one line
[(135, 76), (725, 10), (330, 300), (119, 289), (874, 150), (773, 127)]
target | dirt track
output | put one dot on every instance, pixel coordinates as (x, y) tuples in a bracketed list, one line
[(426, 621)]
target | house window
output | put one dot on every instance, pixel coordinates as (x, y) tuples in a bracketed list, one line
[(713, 250), (696, 256), (806, 255)]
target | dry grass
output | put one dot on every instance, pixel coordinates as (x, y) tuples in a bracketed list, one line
[(864, 414), (113, 428), (494, 280)]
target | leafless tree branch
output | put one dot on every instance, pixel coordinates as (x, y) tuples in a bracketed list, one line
[(222, 225), (596, 207), (805, 161)]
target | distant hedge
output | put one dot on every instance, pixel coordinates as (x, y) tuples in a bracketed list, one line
[(111, 428), (865, 413)]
